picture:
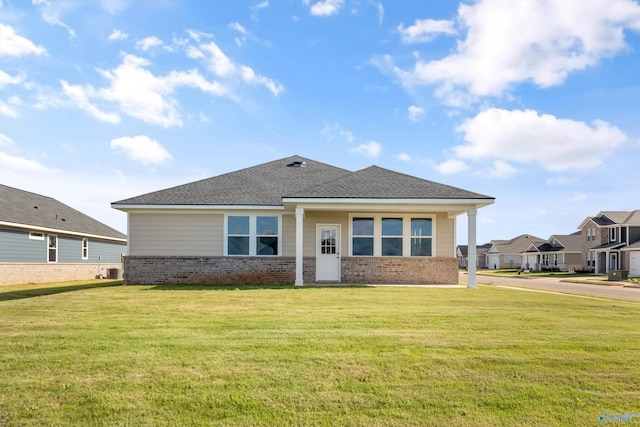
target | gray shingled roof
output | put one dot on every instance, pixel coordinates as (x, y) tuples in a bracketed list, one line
[(34, 210), (267, 184), (517, 244)]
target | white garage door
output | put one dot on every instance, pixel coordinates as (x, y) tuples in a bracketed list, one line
[(493, 261), (634, 264)]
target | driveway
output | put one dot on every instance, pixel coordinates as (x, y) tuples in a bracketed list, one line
[(558, 285)]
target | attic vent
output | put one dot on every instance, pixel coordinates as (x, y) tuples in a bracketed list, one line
[(297, 164)]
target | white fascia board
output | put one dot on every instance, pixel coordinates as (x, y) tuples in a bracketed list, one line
[(28, 227), (172, 208), (400, 204)]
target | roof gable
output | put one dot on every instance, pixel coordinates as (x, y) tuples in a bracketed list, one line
[(34, 210), (262, 185), (516, 245), (375, 182), (293, 177)]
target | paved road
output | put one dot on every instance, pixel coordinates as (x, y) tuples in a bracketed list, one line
[(552, 284)]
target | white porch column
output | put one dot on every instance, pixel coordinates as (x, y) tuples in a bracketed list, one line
[(299, 246), (471, 265)]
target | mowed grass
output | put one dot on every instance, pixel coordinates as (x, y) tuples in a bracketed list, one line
[(283, 356)]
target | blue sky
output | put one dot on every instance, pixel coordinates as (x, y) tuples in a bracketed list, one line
[(533, 102)]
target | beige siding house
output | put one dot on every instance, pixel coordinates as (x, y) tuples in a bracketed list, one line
[(509, 253), (298, 221), (558, 253)]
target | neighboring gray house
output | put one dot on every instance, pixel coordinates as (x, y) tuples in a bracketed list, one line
[(462, 252), (43, 240), (505, 254), (558, 253), (296, 221), (611, 241)]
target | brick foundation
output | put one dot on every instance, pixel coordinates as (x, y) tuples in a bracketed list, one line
[(281, 270), (21, 273)]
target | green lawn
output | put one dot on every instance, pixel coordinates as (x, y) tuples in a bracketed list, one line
[(104, 355)]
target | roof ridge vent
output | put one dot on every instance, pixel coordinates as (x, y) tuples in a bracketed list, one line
[(297, 164)]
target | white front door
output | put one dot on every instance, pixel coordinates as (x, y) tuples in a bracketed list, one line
[(328, 253)]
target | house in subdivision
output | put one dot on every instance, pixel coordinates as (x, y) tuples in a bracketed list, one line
[(462, 252), (298, 221), (611, 241), (558, 253), (507, 254), (44, 240)]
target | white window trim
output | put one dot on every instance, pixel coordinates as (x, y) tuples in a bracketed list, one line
[(82, 244), (406, 232), (36, 235), (252, 233), (612, 234)]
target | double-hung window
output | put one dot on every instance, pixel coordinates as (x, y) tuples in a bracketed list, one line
[(85, 248), (401, 235), (392, 236), (52, 248), (253, 235), (362, 231)]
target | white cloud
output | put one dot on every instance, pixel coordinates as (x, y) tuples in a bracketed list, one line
[(415, 113), (15, 45), (371, 149), (13, 162), (139, 93), (79, 96), (249, 76), (577, 197), (528, 137), (8, 110), (241, 39), (148, 42), (51, 13), (5, 140), (326, 7), (257, 8), (424, 30), (505, 45), (335, 130), (216, 60), (452, 166), (118, 35), (402, 156), (501, 169), (560, 180), (142, 149), (380, 8), (6, 79)]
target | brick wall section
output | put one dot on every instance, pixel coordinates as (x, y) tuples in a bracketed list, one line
[(21, 273), (397, 270), (281, 270)]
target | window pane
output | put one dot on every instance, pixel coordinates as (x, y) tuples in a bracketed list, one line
[(238, 245), (392, 246), (392, 226), (421, 247), (238, 224), (420, 227), (267, 246), (363, 226), (267, 225), (363, 246)]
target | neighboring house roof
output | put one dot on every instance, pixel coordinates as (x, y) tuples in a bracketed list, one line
[(608, 218), (293, 177), (23, 209), (481, 249), (516, 245), (567, 242)]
